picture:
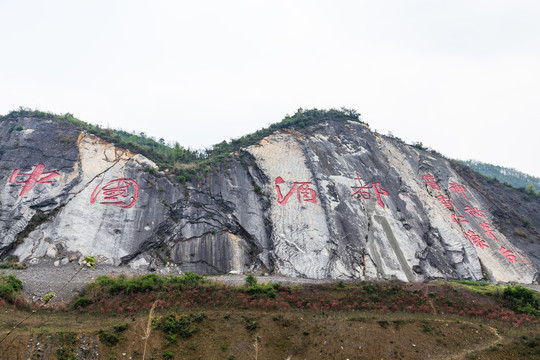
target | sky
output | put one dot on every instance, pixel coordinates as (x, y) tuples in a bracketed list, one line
[(461, 76)]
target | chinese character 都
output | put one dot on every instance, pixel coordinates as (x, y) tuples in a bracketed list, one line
[(119, 192), (431, 181), (456, 188), (475, 240), (378, 192), (364, 190), (35, 177), (488, 231), (304, 192)]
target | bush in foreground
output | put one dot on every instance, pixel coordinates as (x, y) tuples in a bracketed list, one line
[(10, 287)]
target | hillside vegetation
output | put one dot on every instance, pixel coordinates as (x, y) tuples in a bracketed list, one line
[(505, 175), (185, 162), (190, 317)]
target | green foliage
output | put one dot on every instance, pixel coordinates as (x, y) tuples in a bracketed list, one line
[(90, 260), (65, 352), (426, 329), (108, 338), (10, 287), (111, 338), (48, 297), (105, 286), (251, 324), (258, 290), (419, 146), (12, 262), (531, 189), (521, 300), (251, 280), (175, 324), (19, 128), (511, 176), (168, 355), (121, 327), (472, 283), (173, 156), (81, 301)]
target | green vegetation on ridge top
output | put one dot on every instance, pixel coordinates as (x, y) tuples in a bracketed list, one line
[(504, 174), (185, 162), (177, 158)]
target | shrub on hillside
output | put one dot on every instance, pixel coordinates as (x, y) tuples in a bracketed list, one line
[(521, 300), (10, 287)]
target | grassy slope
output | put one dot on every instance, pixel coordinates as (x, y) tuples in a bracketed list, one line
[(211, 320)]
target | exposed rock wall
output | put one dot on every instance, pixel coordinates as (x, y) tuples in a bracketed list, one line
[(335, 200)]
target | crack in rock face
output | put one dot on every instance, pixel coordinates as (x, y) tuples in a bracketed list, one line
[(332, 201)]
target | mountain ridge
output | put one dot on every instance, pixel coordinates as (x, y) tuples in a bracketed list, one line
[(329, 199)]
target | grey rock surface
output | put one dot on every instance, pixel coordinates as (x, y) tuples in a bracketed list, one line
[(335, 200)]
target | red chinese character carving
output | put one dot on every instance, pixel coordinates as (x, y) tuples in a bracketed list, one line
[(364, 190), (508, 254), (446, 202), (525, 261), (474, 212), (378, 192), (458, 219), (475, 240), (431, 181), (116, 189), (33, 178), (488, 231), (456, 188), (304, 192)]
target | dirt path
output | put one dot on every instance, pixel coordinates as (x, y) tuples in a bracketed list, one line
[(464, 353)]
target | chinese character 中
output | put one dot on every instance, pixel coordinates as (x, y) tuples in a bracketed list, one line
[(36, 177), (119, 192)]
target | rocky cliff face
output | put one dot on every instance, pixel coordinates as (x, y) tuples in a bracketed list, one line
[(332, 201)]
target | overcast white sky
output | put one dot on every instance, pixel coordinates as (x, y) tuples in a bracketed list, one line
[(463, 77)]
